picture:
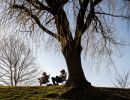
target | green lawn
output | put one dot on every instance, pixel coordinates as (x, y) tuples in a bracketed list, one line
[(52, 92), (31, 92)]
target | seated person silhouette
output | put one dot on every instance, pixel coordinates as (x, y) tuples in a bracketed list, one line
[(44, 79), (59, 79)]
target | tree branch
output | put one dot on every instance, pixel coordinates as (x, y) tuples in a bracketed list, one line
[(96, 2), (80, 18), (81, 26), (88, 18), (63, 28), (36, 19), (37, 4), (121, 16)]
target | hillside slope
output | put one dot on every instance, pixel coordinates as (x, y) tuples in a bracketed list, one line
[(51, 93)]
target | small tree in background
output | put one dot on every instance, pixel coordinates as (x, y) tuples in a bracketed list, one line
[(122, 80), (17, 63)]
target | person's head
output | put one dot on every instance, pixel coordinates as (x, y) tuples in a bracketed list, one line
[(44, 73), (62, 71)]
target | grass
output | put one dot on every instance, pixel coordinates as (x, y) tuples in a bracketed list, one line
[(47, 92), (30, 92)]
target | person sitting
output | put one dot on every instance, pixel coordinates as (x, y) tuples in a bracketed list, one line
[(44, 79), (59, 79)]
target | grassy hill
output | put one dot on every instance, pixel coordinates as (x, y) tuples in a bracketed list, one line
[(30, 92), (49, 93)]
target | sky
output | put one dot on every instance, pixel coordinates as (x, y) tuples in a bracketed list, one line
[(52, 62)]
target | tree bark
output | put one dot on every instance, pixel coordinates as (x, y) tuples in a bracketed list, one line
[(71, 49), (72, 53)]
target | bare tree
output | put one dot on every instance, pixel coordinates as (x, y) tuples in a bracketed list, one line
[(17, 63), (122, 80), (91, 28)]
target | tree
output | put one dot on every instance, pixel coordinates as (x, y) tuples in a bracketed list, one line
[(122, 80), (52, 18), (17, 63)]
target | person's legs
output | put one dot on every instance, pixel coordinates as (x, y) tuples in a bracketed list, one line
[(53, 80), (58, 80), (39, 79), (44, 82)]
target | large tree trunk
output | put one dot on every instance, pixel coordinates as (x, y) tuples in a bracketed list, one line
[(72, 53), (71, 50)]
